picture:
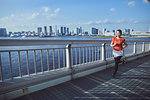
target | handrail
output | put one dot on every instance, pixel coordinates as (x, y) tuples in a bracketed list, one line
[(32, 42), (73, 55)]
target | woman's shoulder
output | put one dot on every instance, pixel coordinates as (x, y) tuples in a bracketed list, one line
[(113, 38)]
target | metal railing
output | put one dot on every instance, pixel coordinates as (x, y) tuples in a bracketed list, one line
[(24, 62)]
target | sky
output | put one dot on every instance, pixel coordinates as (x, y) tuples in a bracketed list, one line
[(27, 15)]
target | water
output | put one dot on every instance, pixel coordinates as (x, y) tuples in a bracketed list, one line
[(23, 58)]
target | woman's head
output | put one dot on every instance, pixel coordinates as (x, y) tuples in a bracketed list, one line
[(119, 32)]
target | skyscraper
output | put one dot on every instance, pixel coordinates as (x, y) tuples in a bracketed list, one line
[(80, 29), (50, 30), (94, 31), (62, 30), (45, 30), (3, 32), (39, 30), (104, 30), (56, 31), (65, 30)]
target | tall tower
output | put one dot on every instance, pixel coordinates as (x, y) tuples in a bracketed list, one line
[(56, 30), (45, 30), (62, 30), (104, 30), (3, 32), (50, 30), (39, 29), (65, 30)]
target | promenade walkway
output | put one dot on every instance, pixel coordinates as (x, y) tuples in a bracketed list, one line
[(132, 82)]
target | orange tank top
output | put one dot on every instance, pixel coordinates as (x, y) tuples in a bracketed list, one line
[(119, 42)]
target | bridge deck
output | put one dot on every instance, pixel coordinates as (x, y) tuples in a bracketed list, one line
[(131, 82)]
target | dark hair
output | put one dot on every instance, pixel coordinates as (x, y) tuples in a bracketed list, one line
[(119, 31)]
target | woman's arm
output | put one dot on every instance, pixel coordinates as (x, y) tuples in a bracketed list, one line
[(112, 44), (125, 44)]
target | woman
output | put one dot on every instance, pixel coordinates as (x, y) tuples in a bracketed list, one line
[(118, 43)]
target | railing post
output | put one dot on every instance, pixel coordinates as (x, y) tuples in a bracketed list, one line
[(103, 56), (149, 45), (134, 48), (1, 70), (143, 47), (68, 56)]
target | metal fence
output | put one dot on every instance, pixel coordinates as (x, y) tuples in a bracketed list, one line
[(24, 62)]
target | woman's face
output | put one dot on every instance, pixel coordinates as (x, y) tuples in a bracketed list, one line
[(118, 33)]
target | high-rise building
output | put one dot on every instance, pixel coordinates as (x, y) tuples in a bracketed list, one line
[(80, 29), (94, 31), (56, 31), (62, 30), (39, 30), (3, 32), (50, 30), (67, 31), (45, 30), (104, 30)]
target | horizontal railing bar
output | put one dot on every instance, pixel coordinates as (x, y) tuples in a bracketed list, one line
[(28, 49), (85, 46), (32, 42), (29, 42)]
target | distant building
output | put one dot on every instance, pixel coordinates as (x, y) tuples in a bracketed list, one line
[(67, 31), (10, 33), (86, 33), (127, 31), (80, 29), (56, 31), (39, 30), (109, 34), (45, 30), (50, 31), (104, 30), (3, 32), (94, 31), (62, 30)]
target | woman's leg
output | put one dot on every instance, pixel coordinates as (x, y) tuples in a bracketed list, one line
[(117, 60)]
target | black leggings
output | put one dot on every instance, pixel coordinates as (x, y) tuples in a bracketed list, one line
[(117, 61)]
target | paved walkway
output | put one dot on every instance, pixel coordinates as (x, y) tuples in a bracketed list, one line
[(132, 82)]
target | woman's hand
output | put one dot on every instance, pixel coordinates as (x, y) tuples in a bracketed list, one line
[(125, 44), (112, 44)]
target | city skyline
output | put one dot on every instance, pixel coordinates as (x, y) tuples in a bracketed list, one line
[(27, 15)]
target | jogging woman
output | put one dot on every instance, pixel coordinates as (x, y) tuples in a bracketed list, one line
[(118, 43)]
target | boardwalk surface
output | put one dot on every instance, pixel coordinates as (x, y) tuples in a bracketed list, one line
[(132, 82)]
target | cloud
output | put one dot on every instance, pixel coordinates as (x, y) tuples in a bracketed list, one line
[(132, 3), (112, 9), (46, 9), (146, 1), (49, 16), (57, 10), (33, 16), (107, 21)]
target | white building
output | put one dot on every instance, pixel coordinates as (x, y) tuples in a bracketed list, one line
[(109, 34)]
